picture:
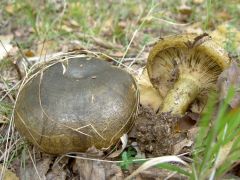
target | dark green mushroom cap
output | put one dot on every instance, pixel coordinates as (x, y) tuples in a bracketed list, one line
[(184, 68), (72, 105)]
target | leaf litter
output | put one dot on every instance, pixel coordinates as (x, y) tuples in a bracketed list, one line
[(159, 137)]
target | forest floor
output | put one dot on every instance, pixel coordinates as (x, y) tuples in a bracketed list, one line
[(123, 33)]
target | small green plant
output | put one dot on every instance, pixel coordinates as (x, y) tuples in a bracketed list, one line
[(127, 158), (217, 142)]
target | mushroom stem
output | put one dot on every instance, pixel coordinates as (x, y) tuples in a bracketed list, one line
[(179, 98)]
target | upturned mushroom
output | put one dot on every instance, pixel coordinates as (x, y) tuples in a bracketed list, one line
[(71, 105), (184, 68)]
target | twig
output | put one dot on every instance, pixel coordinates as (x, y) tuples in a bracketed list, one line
[(9, 91), (98, 41), (21, 52), (170, 22), (3, 46), (136, 57), (34, 165)]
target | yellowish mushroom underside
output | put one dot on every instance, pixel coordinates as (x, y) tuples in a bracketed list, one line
[(184, 68)]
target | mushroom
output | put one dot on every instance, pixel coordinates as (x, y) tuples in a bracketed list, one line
[(73, 104), (184, 68)]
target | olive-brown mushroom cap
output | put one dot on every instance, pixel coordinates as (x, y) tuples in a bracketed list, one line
[(75, 104), (196, 58)]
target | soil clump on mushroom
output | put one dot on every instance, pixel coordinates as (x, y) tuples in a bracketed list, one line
[(157, 134)]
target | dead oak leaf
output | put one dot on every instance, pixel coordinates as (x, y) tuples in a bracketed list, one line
[(37, 170), (230, 78), (88, 169)]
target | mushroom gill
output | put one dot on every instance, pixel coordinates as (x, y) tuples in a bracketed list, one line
[(184, 71)]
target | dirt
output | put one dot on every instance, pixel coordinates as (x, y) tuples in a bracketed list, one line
[(157, 134)]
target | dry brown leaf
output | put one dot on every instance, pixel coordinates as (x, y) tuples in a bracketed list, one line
[(223, 154), (8, 175), (10, 8), (74, 23), (45, 48), (56, 174), (29, 53), (187, 121), (118, 54), (105, 44), (158, 174), (91, 170), (93, 151), (107, 27), (124, 140), (154, 161), (42, 167), (185, 10), (58, 171), (192, 133), (177, 148), (149, 96), (230, 78), (224, 15), (66, 28), (122, 24), (194, 28)]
